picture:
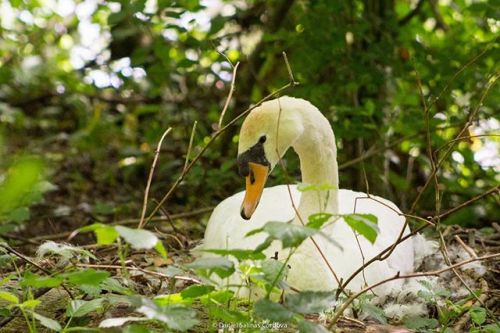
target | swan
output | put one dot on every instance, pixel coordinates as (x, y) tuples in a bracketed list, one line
[(266, 134)]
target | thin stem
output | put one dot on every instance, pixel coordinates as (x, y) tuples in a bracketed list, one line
[(150, 178), (229, 96), (190, 146)]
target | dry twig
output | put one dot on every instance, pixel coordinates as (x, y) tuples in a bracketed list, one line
[(150, 178)]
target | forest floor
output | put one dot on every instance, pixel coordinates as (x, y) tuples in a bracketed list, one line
[(81, 198)]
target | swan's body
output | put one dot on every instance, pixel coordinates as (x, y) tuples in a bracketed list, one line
[(304, 128)]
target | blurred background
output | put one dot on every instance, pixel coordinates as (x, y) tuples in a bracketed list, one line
[(88, 87)]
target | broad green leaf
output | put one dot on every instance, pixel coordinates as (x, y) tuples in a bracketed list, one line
[(220, 266), (175, 316), (106, 235), (264, 245), (228, 315), (6, 279), (47, 322), (266, 309), (217, 297), (491, 328), (290, 235), (170, 299), (316, 221), (20, 177), (273, 270), (30, 304), (4, 312), (420, 323), (364, 224), (310, 327), (196, 291), (79, 308), (9, 297), (161, 249), (138, 238), (308, 302), (111, 284), (238, 253), (478, 315), (375, 312), (37, 281), (86, 277), (19, 214)]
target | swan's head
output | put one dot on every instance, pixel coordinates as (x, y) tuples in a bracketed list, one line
[(266, 134)]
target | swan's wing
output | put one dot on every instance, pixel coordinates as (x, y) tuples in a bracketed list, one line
[(390, 224)]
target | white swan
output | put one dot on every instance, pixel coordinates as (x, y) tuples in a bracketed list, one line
[(267, 132)]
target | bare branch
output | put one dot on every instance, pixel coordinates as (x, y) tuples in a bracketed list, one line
[(150, 178), (190, 146), (229, 96)]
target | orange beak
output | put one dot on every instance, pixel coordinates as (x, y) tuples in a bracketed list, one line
[(254, 185)]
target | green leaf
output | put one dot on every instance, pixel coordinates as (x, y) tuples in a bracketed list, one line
[(308, 302), (364, 224), (491, 328), (4, 312), (217, 297), (317, 220), (47, 322), (290, 235), (9, 297), (170, 299), (375, 312), (37, 281), (419, 323), (111, 284), (79, 308), (117, 17), (478, 315), (176, 317), (310, 327), (20, 178), (6, 279), (266, 309), (220, 266), (196, 291), (19, 214), (30, 304), (138, 238), (228, 315), (161, 249), (271, 268), (86, 277), (106, 235), (238, 253)]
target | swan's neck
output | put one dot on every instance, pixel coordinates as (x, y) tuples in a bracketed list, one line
[(318, 163)]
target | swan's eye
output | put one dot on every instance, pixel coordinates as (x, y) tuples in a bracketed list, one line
[(262, 139)]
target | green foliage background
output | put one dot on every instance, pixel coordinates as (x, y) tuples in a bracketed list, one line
[(90, 86)]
